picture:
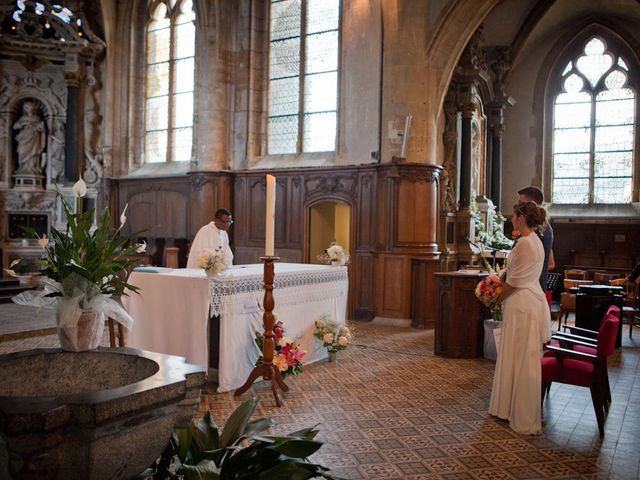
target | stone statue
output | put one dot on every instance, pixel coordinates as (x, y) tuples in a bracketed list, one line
[(31, 140), (56, 151)]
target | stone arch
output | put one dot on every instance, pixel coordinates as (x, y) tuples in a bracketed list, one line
[(455, 26)]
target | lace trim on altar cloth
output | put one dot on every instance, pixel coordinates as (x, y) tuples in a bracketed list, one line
[(245, 294)]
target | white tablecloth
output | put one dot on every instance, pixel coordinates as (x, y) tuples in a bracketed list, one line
[(171, 312)]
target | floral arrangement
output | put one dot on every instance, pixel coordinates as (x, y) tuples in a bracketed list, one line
[(489, 288), (333, 336), (84, 265), (496, 237), (212, 261), (288, 355), (335, 254)]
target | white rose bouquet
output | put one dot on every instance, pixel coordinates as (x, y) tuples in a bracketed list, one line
[(335, 255), (212, 261), (333, 336)]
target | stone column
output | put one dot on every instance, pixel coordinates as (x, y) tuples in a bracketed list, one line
[(465, 169), (73, 134), (496, 128)]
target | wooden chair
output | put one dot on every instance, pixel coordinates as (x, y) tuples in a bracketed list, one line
[(575, 274), (171, 257), (585, 341), (582, 369), (568, 300), (631, 308), (605, 278)]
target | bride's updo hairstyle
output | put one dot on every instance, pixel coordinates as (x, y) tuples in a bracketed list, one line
[(534, 216)]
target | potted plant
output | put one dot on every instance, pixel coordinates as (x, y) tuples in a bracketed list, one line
[(239, 451), (84, 268)]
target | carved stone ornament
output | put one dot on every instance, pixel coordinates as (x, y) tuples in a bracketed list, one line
[(327, 184), (500, 68), (472, 58), (431, 175), (450, 140), (29, 201)]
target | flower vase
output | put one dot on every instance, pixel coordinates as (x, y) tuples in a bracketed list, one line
[(211, 273), (86, 334), (333, 357), (491, 344)]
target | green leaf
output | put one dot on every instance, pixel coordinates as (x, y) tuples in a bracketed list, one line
[(287, 470), (237, 423), (259, 425), (297, 448), (184, 436), (206, 433), (205, 470)]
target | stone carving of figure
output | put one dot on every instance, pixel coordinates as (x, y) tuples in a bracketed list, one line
[(56, 151), (31, 140)]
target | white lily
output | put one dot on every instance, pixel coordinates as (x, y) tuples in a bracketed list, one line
[(142, 247), (43, 241), (123, 217), (80, 188), (15, 262), (10, 269)]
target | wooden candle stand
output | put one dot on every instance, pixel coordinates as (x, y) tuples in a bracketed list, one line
[(267, 370)]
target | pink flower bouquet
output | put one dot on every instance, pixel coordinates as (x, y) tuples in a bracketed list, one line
[(487, 292), (288, 354)]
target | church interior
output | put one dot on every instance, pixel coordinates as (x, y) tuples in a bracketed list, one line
[(401, 130)]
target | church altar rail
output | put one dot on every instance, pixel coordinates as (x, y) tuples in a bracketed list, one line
[(171, 314)]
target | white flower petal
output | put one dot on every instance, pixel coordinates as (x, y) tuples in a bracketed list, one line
[(142, 247), (80, 188), (15, 262), (123, 217)]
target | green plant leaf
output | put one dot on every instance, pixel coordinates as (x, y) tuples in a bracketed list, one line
[(204, 470), (297, 448), (237, 423), (184, 436), (259, 425), (287, 470), (206, 433)]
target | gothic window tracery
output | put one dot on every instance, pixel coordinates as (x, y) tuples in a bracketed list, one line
[(170, 82), (593, 128)]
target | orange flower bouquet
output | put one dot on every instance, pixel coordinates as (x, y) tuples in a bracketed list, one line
[(487, 292)]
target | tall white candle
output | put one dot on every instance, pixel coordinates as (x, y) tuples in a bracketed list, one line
[(405, 136), (270, 217)]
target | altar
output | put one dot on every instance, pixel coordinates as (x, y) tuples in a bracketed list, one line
[(172, 312)]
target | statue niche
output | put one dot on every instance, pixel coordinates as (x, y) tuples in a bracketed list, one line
[(30, 140)]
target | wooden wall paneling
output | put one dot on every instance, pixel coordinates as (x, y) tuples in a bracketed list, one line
[(411, 227), (393, 286), (423, 286), (256, 210), (366, 217), (361, 283)]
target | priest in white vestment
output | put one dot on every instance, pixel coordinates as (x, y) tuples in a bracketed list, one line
[(213, 236)]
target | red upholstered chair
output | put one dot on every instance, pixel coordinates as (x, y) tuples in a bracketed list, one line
[(585, 341), (583, 369)]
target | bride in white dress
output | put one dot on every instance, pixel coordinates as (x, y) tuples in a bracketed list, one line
[(526, 325)]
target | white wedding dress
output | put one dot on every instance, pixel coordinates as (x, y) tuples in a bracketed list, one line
[(515, 395)]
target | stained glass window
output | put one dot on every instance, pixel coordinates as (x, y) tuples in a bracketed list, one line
[(593, 129), (170, 84), (303, 76)]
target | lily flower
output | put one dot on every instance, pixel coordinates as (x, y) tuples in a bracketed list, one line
[(142, 247), (80, 188), (43, 241), (123, 217)]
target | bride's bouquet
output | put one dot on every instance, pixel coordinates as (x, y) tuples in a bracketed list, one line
[(487, 292)]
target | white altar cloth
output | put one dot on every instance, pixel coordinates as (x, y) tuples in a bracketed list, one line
[(171, 313)]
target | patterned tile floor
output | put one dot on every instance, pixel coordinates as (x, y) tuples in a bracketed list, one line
[(390, 409)]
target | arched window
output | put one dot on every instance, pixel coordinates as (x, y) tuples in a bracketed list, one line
[(303, 76), (594, 113), (170, 61)]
